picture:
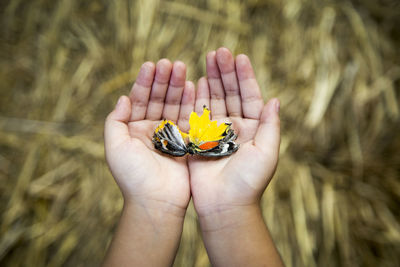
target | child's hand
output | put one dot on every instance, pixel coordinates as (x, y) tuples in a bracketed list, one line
[(146, 177), (225, 191), (235, 181)]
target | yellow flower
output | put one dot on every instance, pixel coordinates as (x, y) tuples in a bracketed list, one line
[(206, 137), (202, 129)]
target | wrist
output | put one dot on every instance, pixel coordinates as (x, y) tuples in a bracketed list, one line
[(229, 217), (238, 236), (144, 229), (154, 210)]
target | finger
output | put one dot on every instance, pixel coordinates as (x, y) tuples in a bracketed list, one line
[(174, 92), (116, 127), (226, 65), (252, 102), (140, 92), (202, 95), (268, 134), (218, 108), (159, 90), (187, 106)]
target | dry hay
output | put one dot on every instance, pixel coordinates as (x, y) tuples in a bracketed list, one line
[(333, 64)]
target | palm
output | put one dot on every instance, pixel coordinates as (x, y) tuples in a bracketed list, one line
[(159, 177), (232, 179)]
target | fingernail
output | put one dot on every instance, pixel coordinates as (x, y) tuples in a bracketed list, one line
[(277, 106), (117, 106)]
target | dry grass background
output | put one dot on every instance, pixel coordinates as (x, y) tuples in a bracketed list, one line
[(333, 64)]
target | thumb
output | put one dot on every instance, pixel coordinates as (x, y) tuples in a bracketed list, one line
[(116, 126), (267, 138)]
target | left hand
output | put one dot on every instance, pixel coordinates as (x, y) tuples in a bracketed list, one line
[(233, 95)]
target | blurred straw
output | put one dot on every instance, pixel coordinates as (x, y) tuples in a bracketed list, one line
[(333, 65)]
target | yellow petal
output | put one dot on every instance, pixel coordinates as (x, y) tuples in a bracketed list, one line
[(202, 129)]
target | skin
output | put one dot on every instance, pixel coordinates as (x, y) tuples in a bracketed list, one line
[(225, 191), (155, 187)]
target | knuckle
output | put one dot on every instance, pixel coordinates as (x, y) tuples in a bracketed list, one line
[(157, 99), (217, 96), (139, 102), (173, 102)]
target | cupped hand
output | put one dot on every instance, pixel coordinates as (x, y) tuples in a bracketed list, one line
[(144, 175), (233, 95)]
